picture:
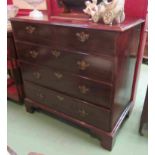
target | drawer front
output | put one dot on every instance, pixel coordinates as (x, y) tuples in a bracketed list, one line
[(83, 64), (33, 32), (79, 87), (88, 40), (88, 113), (68, 38)]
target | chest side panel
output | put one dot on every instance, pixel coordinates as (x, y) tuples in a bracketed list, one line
[(125, 61)]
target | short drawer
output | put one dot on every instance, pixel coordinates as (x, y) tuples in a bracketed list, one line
[(33, 32), (87, 40), (71, 84), (81, 110), (83, 64), (64, 37)]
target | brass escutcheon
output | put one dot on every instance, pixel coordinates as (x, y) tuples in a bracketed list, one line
[(83, 113), (37, 75), (58, 75), (82, 36), (83, 64), (60, 98), (30, 29), (83, 89), (56, 53), (33, 53)]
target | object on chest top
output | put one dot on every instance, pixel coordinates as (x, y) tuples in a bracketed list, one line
[(110, 12)]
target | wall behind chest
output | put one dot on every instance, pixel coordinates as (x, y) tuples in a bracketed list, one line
[(23, 5), (136, 8)]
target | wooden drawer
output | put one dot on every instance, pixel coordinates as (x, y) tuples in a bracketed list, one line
[(88, 113), (83, 64), (33, 32), (83, 39), (71, 84), (64, 37)]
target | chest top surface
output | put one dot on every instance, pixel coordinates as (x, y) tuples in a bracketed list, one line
[(81, 22)]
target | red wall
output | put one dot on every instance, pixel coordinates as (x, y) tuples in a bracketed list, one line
[(136, 8), (9, 1)]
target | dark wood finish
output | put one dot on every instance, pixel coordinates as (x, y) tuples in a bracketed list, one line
[(103, 85), (81, 110), (11, 53), (79, 39), (107, 138), (83, 64), (83, 23), (144, 115), (15, 88), (70, 84)]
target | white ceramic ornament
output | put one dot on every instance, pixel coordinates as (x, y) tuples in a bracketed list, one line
[(109, 12), (91, 7), (114, 12)]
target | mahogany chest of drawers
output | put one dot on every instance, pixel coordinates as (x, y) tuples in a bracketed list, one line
[(82, 72)]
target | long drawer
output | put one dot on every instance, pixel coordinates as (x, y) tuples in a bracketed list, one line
[(71, 84), (83, 64), (64, 37), (88, 113)]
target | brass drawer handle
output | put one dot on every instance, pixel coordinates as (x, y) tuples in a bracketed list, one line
[(33, 54), (82, 36), (83, 89), (58, 75), (60, 98), (83, 65), (30, 29), (37, 75), (56, 53), (82, 113)]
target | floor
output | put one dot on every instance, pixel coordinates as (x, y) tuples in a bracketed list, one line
[(41, 133)]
